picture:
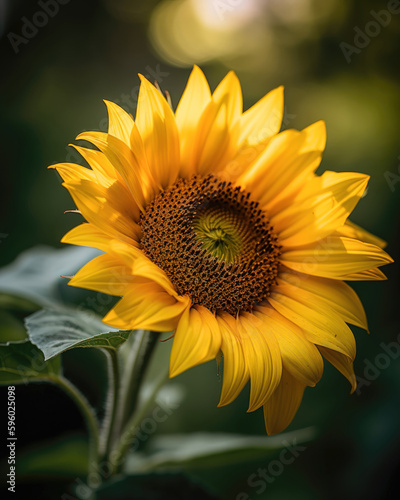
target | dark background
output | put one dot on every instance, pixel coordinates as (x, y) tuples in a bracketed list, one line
[(51, 89)]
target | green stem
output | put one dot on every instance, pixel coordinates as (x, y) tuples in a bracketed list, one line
[(140, 352), (90, 418), (131, 428), (106, 435)]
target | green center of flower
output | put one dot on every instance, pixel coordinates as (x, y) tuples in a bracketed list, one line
[(214, 243), (219, 233)]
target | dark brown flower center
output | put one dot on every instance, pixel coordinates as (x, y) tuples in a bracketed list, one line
[(214, 243)]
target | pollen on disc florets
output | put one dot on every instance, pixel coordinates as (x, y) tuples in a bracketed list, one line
[(214, 243)]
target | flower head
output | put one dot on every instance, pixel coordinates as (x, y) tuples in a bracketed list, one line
[(214, 226)]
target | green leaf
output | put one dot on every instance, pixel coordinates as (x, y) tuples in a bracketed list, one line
[(207, 450), (35, 275), (54, 331), (12, 329), (21, 362)]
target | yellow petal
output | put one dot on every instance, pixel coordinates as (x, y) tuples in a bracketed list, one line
[(315, 137), (213, 142), (299, 356), (236, 372), (282, 406), (120, 123), (262, 120), (73, 172), (195, 98), (230, 93), (132, 259), (241, 160), (142, 266), (253, 131), (100, 165), (262, 356), (146, 269), (90, 236), (127, 162), (112, 187), (280, 170), (197, 340), (285, 186), (102, 208), (335, 257), (147, 306), (106, 274), (157, 127), (351, 230), (341, 363), (324, 211), (374, 274), (337, 295), (216, 135), (311, 144), (320, 324)]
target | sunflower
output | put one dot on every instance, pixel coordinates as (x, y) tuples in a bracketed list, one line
[(215, 226)]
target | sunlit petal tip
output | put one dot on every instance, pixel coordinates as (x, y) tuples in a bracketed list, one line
[(198, 72), (354, 231), (146, 87), (277, 95), (316, 135), (229, 93), (77, 148), (120, 123), (87, 136), (229, 79), (233, 80), (149, 86), (318, 126)]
